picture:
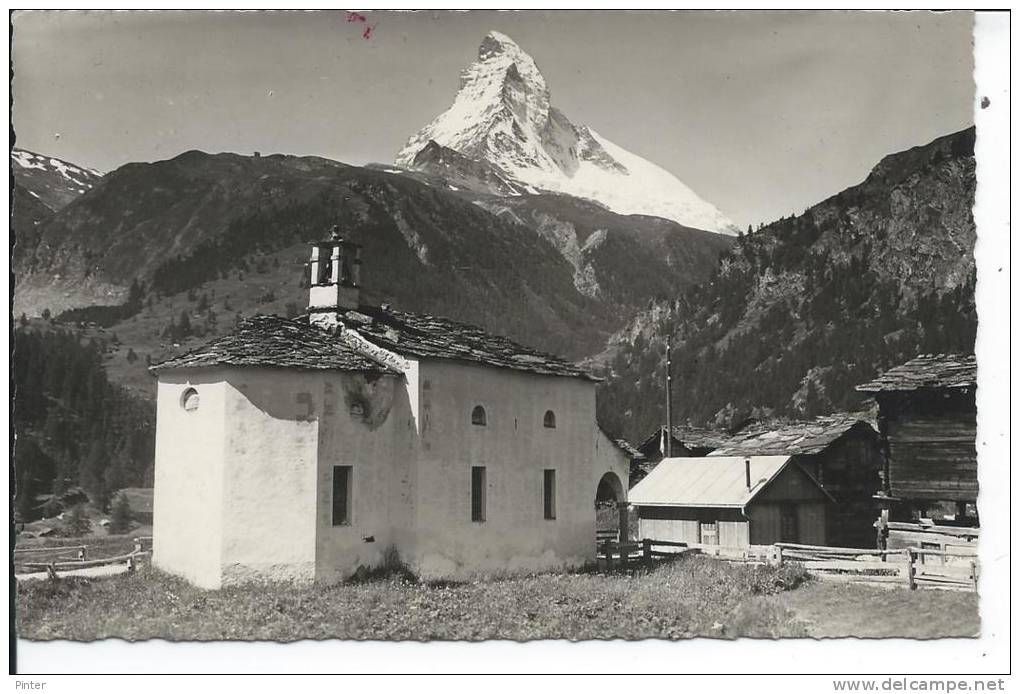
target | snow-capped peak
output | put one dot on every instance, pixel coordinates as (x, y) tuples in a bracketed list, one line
[(53, 181), (76, 175), (502, 116)]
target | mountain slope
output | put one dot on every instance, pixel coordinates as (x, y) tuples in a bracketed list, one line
[(43, 185), (239, 226), (807, 307), (625, 260), (502, 119), (51, 181)]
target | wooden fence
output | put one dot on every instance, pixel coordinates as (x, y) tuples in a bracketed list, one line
[(624, 554), (54, 560), (949, 567)]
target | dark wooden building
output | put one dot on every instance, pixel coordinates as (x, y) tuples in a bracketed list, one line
[(928, 426), (687, 442), (842, 452), (733, 502)]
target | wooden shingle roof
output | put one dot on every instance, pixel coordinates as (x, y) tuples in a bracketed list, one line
[(431, 337), (278, 342), (793, 438), (927, 371)]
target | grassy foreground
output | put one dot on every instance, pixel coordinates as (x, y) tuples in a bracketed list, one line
[(694, 597)]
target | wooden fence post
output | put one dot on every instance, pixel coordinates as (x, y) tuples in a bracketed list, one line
[(131, 564), (779, 555), (911, 582), (646, 549), (51, 571), (81, 554), (138, 544), (974, 574)]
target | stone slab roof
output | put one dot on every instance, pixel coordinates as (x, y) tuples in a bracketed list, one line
[(690, 436), (282, 342), (278, 342), (793, 438), (927, 371), (634, 454), (430, 337), (697, 437)]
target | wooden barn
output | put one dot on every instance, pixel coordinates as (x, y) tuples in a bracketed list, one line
[(687, 442), (731, 501), (842, 452), (928, 426)]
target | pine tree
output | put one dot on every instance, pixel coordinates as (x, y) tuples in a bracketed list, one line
[(77, 522), (120, 515)]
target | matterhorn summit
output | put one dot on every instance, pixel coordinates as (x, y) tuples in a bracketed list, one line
[(502, 124)]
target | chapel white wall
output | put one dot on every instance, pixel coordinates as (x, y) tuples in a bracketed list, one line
[(250, 480), (515, 448), (188, 495)]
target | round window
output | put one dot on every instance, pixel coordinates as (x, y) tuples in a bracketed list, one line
[(189, 400)]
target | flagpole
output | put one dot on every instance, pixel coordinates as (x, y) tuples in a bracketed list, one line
[(669, 397)]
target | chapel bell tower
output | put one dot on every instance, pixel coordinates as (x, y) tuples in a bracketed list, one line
[(335, 278)]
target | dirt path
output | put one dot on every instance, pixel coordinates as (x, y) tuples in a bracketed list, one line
[(93, 571)]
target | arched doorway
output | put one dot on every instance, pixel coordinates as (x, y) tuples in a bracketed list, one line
[(610, 509)]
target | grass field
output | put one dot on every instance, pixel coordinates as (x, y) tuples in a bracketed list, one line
[(693, 597), (829, 610)]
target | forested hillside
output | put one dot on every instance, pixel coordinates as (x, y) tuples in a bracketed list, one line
[(802, 310), (74, 428)]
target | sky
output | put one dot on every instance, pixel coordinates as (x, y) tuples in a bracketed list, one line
[(762, 114)]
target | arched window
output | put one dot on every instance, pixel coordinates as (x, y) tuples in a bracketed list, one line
[(478, 416), (189, 400), (550, 420)]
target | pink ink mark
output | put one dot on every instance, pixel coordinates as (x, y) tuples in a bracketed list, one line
[(355, 16), (367, 34)]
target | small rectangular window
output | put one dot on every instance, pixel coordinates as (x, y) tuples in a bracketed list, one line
[(549, 493), (478, 494), (342, 495)]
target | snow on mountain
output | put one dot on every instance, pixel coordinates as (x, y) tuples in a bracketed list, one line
[(502, 116), (52, 181)]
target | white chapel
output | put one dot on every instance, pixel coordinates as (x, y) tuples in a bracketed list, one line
[(301, 449)]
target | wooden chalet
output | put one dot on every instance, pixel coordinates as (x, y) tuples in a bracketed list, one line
[(841, 451), (928, 426), (733, 502)]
